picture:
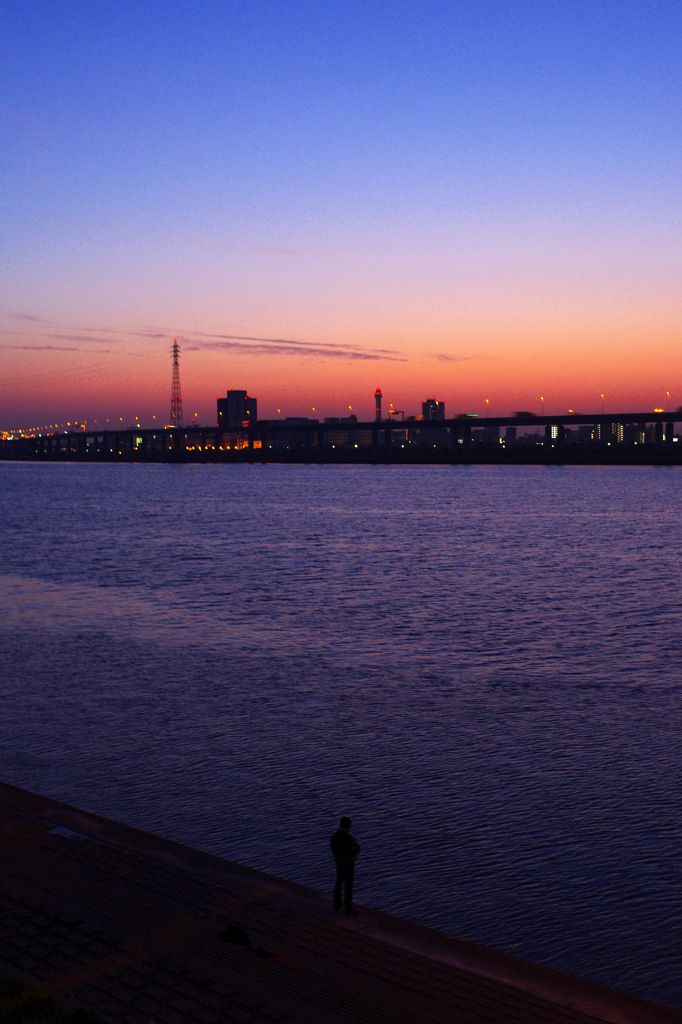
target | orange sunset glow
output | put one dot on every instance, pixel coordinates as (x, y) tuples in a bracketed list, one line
[(310, 224)]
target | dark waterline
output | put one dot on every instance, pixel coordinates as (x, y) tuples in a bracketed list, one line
[(479, 664)]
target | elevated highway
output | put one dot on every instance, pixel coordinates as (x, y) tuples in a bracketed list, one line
[(575, 437)]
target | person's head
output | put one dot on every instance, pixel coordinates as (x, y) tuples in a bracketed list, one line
[(345, 822)]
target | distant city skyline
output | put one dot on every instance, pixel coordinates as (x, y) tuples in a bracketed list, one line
[(118, 410), (474, 202)]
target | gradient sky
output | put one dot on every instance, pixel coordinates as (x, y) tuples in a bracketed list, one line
[(466, 200)]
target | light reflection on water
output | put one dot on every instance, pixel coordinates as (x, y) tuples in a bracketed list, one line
[(479, 664)]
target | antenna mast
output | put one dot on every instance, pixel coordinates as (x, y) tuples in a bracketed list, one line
[(176, 397)]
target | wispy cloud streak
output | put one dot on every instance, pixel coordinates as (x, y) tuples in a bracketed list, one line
[(290, 346), (84, 338), (444, 357)]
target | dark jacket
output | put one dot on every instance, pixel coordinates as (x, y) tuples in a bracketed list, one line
[(345, 848)]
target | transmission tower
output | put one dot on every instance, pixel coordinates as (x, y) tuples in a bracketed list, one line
[(176, 397)]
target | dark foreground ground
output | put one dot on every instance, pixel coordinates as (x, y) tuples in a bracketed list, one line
[(125, 925)]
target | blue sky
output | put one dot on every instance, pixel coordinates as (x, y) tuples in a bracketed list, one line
[(453, 182)]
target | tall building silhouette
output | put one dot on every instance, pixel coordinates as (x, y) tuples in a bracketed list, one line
[(237, 410), (433, 410)]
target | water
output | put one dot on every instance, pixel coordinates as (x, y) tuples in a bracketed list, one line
[(481, 665)]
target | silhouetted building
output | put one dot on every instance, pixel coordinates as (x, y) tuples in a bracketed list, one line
[(634, 433), (293, 432), (491, 433), (341, 438), (433, 410), (377, 404), (608, 433), (341, 419), (237, 410)]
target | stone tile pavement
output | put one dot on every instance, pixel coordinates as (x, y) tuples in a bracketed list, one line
[(126, 924)]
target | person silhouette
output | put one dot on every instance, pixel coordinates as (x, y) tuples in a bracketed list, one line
[(345, 849)]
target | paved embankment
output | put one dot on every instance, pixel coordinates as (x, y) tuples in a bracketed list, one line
[(126, 924)]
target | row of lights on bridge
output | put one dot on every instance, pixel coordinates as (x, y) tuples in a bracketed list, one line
[(76, 425)]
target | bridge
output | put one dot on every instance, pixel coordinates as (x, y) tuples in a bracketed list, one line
[(640, 437)]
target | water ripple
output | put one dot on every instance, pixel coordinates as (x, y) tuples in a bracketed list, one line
[(479, 664)]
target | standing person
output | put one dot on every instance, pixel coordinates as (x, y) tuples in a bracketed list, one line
[(345, 849)]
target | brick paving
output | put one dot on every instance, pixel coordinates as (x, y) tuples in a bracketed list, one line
[(126, 924)]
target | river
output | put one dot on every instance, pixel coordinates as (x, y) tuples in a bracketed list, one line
[(480, 665)]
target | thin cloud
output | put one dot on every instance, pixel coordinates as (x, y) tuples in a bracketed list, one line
[(46, 348), (444, 357), (35, 330), (25, 316), (289, 346), (197, 341), (81, 338)]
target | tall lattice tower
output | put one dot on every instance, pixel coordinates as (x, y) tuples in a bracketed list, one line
[(176, 397)]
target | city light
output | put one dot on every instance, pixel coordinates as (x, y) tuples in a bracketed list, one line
[(574, 435)]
